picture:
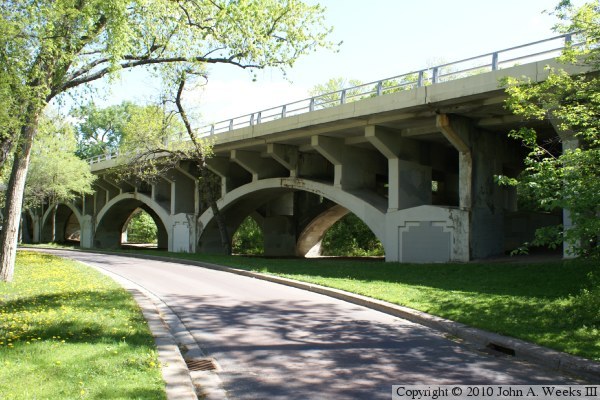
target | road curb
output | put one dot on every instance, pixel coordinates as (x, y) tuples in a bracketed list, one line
[(520, 349), (178, 384), (170, 336)]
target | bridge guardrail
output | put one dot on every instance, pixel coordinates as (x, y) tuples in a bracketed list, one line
[(506, 58)]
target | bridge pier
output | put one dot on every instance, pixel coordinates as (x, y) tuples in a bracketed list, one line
[(87, 224), (279, 227)]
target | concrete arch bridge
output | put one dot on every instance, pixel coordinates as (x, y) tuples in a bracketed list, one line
[(416, 164)]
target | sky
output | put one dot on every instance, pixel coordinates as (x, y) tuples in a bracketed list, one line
[(380, 39)]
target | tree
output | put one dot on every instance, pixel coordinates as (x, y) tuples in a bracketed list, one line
[(101, 129), (567, 179), (51, 46), (328, 94), (141, 228), (350, 237), (56, 174), (158, 137), (248, 239)]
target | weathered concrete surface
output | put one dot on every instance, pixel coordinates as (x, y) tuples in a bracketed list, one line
[(417, 166)]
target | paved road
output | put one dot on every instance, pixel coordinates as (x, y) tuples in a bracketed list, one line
[(277, 342)]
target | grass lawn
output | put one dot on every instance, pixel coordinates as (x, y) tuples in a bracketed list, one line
[(68, 332), (555, 304)]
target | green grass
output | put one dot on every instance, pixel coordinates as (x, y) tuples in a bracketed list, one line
[(68, 332), (555, 304)]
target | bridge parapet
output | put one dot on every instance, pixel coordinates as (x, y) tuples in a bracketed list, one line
[(529, 53)]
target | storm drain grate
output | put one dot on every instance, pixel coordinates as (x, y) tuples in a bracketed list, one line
[(498, 348), (202, 364)]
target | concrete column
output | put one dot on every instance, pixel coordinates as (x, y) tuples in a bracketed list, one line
[(487, 212), (409, 182), (183, 233), (258, 166), (87, 206), (353, 167), (184, 193), (279, 233), (279, 227), (101, 197), (480, 158), (286, 156), (569, 143), (87, 232), (163, 193), (35, 217), (457, 131), (221, 167)]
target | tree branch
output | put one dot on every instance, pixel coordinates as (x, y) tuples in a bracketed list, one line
[(137, 62)]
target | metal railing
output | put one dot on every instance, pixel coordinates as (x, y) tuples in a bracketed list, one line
[(527, 53)]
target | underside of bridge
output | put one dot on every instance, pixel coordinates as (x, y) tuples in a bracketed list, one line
[(417, 167)]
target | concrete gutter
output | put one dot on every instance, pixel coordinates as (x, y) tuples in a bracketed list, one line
[(520, 349)]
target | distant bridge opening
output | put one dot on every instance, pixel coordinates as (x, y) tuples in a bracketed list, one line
[(140, 229), (115, 219), (61, 225), (350, 237), (249, 238)]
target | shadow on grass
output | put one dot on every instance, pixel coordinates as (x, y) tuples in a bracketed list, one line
[(77, 316), (138, 393)]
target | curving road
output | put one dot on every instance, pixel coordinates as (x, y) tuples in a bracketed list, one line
[(277, 342)]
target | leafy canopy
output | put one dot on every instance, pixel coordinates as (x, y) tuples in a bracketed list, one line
[(100, 130), (55, 172), (568, 179)]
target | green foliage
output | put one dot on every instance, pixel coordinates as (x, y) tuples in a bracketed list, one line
[(152, 127), (327, 92), (248, 239), (77, 332), (50, 46), (101, 130), (55, 172), (569, 179), (350, 237), (406, 82), (141, 228)]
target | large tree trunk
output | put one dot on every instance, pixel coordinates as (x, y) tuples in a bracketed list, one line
[(201, 162), (14, 196)]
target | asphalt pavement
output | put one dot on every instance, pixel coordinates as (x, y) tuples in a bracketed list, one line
[(270, 341)]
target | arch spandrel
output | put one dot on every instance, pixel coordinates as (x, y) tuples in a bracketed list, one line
[(241, 201)]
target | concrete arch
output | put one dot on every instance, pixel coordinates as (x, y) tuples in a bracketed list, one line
[(71, 206), (241, 201), (309, 240), (115, 213), (64, 212)]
